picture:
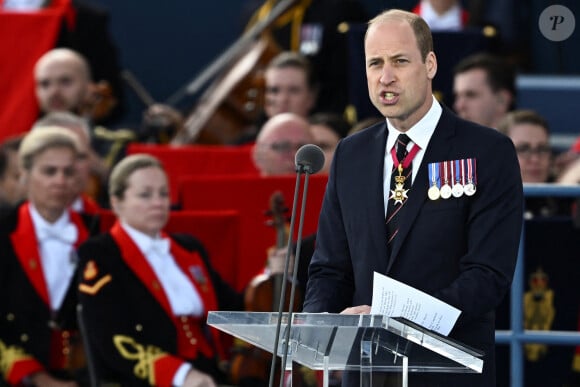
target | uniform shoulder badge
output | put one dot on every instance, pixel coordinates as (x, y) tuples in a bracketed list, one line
[(91, 271), (90, 284)]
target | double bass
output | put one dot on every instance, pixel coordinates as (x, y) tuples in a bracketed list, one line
[(230, 106)]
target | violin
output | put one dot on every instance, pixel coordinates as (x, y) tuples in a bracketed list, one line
[(100, 102), (263, 295)]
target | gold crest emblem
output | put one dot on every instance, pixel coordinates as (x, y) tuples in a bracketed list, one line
[(91, 271), (538, 311)]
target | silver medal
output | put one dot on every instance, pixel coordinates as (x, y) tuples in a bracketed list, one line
[(457, 190)]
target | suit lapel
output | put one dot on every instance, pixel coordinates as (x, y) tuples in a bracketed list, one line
[(438, 149), (375, 164)]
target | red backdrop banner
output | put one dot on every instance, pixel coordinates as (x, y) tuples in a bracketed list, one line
[(26, 36)]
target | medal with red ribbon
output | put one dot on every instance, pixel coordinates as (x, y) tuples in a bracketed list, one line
[(399, 194)]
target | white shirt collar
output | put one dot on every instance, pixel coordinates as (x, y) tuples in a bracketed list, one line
[(181, 293), (421, 132), (77, 205), (142, 240), (40, 222)]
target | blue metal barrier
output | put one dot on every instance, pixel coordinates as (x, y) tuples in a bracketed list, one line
[(517, 336)]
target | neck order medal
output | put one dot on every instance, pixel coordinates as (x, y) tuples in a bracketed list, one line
[(399, 194)]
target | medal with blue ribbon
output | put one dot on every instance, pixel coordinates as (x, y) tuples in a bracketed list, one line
[(433, 192)]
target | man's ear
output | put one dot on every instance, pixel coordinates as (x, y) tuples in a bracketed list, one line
[(431, 64)]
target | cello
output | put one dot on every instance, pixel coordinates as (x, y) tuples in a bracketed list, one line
[(232, 103)]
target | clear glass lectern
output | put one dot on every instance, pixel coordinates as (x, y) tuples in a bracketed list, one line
[(364, 343)]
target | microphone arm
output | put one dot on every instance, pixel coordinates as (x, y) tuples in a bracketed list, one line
[(286, 342), (309, 159), (283, 291)]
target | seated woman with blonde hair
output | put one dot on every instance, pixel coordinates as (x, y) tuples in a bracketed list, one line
[(146, 294)]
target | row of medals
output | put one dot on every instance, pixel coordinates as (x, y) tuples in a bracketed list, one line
[(446, 190)]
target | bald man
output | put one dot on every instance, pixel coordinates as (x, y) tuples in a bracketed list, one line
[(280, 138), (63, 81)]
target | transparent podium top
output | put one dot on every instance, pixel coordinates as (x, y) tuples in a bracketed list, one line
[(336, 341)]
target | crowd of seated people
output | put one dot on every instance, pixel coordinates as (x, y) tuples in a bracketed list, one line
[(60, 176)]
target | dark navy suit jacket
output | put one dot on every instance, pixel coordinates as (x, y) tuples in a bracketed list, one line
[(460, 250)]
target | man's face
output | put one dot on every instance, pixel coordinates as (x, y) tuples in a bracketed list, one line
[(275, 151), (61, 85), (399, 82), (287, 91), (475, 100)]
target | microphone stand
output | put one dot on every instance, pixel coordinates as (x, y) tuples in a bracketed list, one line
[(300, 169)]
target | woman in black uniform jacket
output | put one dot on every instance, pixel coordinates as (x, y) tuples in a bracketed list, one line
[(145, 294)]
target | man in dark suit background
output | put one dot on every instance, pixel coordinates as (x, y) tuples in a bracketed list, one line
[(457, 244)]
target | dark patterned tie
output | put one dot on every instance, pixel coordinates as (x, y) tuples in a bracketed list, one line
[(394, 206)]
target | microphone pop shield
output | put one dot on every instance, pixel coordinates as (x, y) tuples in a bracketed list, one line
[(309, 159)]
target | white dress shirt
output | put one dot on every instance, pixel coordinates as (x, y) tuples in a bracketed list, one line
[(181, 293), (78, 205), (57, 253)]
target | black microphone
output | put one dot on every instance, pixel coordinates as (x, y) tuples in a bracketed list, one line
[(309, 159)]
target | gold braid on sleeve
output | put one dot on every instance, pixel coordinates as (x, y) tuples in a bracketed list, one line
[(145, 356), (10, 355)]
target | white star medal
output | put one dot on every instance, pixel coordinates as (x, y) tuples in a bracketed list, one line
[(399, 194)]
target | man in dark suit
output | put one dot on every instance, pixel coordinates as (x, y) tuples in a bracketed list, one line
[(457, 244)]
